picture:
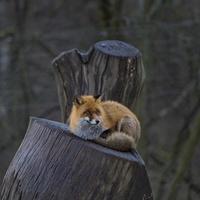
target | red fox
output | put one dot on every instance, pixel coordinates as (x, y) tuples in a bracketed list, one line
[(123, 125)]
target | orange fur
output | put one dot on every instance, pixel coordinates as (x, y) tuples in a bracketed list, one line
[(124, 125)]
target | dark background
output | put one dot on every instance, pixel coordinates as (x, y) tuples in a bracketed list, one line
[(33, 32)]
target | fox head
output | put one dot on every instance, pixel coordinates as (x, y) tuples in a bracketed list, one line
[(88, 108)]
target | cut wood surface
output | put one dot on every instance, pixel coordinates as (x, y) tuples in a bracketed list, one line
[(53, 164), (112, 68)]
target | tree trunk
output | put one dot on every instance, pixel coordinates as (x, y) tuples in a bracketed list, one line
[(53, 164), (111, 68)]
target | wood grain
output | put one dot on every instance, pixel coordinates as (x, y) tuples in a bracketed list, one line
[(53, 164)]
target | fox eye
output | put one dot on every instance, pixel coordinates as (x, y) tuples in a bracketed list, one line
[(86, 113), (97, 111)]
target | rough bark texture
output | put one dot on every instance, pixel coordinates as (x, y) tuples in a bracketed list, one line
[(53, 164), (111, 68)]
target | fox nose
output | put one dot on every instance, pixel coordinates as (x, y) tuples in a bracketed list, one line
[(97, 121), (94, 121)]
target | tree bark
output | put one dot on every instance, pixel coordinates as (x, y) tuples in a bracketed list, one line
[(112, 68), (53, 164)]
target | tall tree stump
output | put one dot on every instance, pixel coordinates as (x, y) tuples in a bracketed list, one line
[(111, 68), (53, 164)]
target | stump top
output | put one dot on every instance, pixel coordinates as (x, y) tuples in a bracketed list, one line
[(51, 163), (132, 156), (117, 48)]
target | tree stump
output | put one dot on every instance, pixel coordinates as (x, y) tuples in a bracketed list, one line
[(53, 164), (112, 68)]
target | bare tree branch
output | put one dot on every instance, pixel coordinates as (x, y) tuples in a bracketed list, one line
[(175, 104), (180, 140), (186, 157), (53, 53)]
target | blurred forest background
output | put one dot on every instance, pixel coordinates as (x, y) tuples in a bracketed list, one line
[(33, 32)]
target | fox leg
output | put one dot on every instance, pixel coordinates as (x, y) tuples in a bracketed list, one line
[(130, 126), (126, 136)]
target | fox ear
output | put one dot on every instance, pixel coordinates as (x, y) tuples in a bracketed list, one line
[(98, 97), (78, 100)]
